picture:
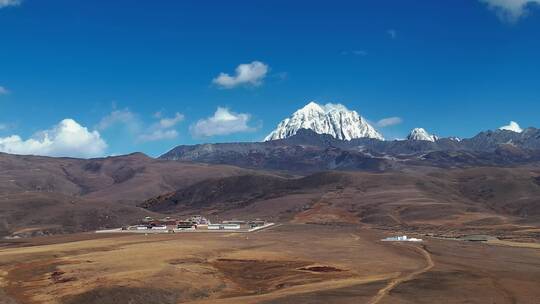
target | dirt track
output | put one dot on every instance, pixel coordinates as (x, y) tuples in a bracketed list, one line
[(395, 282), (321, 286)]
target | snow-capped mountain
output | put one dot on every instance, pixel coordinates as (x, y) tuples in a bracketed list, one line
[(512, 126), (332, 119), (421, 134)]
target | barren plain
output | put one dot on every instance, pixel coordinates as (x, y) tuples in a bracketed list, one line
[(290, 263)]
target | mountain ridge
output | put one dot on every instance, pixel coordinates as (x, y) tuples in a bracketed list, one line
[(308, 150)]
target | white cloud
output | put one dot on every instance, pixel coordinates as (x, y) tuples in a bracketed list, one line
[(67, 138), (6, 3), (222, 123), (392, 33), (3, 90), (171, 122), (390, 121), (139, 130), (333, 106), (246, 74), (124, 117), (158, 134), (512, 126), (510, 10), (163, 129)]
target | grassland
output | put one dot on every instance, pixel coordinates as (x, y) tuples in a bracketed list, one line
[(292, 263)]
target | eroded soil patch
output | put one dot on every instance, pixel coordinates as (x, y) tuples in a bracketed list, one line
[(25, 278), (59, 277), (321, 269), (186, 261), (262, 276)]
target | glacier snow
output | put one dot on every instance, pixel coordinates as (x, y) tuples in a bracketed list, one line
[(332, 119)]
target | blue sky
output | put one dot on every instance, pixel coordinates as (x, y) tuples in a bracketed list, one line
[(145, 75)]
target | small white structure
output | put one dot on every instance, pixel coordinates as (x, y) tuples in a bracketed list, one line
[(239, 222), (160, 227), (223, 226), (402, 238)]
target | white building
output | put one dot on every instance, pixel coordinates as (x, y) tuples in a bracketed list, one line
[(402, 238), (160, 227), (223, 226)]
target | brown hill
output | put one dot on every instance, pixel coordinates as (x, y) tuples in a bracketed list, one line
[(501, 200), (67, 194), (235, 192), (43, 195)]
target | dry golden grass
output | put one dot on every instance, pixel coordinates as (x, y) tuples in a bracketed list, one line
[(349, 265), (191, 266)]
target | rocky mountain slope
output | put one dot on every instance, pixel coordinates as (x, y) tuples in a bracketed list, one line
[(56, 195), (333, 119), (307, 151), (331, 137)]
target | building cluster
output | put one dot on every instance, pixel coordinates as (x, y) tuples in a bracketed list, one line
[(195, 222), (402, 238)]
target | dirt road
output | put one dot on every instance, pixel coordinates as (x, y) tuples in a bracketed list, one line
[(320, 286), (394, 283)]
